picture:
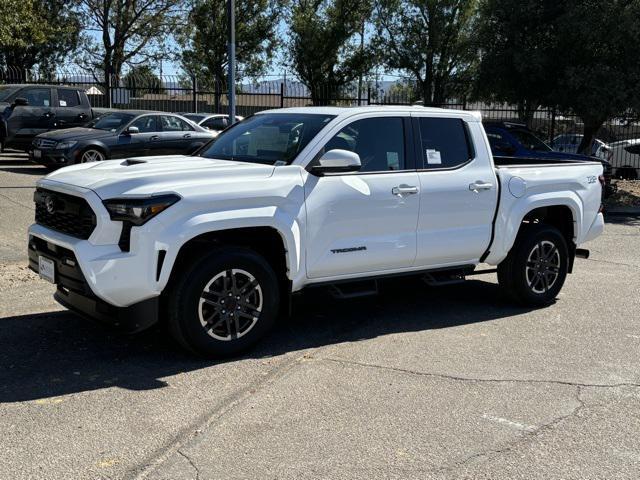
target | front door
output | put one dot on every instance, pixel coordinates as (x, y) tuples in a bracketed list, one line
[(137, 144), (364, 222), (458, 192), (25, 122)]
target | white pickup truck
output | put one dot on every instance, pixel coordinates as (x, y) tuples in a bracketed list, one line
[(216, 243)]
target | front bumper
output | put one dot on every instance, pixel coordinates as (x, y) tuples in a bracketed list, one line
[(52, 158), (74, 292)]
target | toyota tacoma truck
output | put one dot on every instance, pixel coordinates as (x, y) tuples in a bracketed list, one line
[(215, 244)]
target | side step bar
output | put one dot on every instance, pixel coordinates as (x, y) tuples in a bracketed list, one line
[(344, 291)]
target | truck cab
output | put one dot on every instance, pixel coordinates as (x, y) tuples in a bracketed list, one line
[(28, 110)]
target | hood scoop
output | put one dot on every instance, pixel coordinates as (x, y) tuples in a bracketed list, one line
[(132, 161)]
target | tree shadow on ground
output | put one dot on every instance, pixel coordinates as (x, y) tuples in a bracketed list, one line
[(53, 354)]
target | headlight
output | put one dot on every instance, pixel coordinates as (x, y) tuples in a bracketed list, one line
[(65, 145), (138, 211)]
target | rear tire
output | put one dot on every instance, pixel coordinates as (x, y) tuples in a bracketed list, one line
[(222, 304), (535, 269)]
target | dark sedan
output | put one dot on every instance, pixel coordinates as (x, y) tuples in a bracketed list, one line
[(119, 134)]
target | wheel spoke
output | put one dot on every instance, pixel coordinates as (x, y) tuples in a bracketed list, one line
[(550, 253), (252, 285)]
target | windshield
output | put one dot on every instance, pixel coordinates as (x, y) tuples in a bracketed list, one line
[(111, 121), (6, 92), (530, 141), (267, 138)]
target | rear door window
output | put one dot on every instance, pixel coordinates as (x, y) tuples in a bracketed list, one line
[(68, 98), (174, 124), (444, 142)]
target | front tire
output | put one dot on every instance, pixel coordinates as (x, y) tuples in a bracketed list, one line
[(92, 155), (535, 269), (224, 303)]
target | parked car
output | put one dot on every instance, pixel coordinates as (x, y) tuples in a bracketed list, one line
[(28, 110), (215, 122), (125, 133), (569, 142), (301, 197), (625, 159), (516, 140)]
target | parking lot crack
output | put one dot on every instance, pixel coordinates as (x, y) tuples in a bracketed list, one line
[(479, 379), (193, 465)]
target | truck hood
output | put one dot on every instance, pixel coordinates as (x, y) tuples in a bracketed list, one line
[(77, 133), (145, 176)]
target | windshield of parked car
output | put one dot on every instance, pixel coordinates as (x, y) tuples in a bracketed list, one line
[(6, 92), (267, 138), (111, 122), (530, 141)]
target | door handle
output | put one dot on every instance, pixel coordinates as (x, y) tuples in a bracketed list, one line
[(403, 189), (480, 185), (186, 135), (153, 137), (48, 114)]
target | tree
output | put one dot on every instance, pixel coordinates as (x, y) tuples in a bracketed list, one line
[(600, 76), (28, 40), (130, 32), (517, 43), (321, 48), (429, 39), (204, 40), (141, 80)]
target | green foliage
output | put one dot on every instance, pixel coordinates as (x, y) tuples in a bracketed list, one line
[(578, 55), (324, 45), (429, 39), (142, 80), (204, 39), (36, 32)]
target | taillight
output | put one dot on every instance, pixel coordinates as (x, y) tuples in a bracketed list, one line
[(602, 180)]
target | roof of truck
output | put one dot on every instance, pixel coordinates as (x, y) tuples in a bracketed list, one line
[(349, 111)]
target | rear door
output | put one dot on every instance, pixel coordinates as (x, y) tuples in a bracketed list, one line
[(25, 122), (458, 191), (177, 135), (364, 222), (69, 109)]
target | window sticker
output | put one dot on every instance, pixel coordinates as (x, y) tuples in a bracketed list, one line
[(63, 103), (433, 157), (393, 161)]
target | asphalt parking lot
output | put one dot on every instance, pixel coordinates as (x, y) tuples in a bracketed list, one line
[(448, 382)]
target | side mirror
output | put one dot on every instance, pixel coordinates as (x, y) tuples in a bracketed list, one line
[(20, 102), (337, 161), (132, 130)]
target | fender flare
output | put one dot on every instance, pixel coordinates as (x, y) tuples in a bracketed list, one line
[(270, 217)]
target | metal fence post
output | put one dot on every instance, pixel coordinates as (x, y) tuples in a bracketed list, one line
[(195, 94), (552, 130), (281, 95)]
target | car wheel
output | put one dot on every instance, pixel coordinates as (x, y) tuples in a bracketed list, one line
[(92, 155), (536, 267), (224, 303)]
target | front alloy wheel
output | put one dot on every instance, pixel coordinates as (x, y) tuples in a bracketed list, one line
[(230, 304), (223, 301), (92, 155)]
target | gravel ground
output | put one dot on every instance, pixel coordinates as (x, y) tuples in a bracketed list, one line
[(628, 194)]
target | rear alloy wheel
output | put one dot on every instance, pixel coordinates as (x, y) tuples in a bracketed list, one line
[(92, 155), (223, 303), (535, 269)]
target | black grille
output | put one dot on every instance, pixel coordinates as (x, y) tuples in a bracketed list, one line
[(64, 213)]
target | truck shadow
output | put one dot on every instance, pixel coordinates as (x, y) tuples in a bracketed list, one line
[(53, 354)]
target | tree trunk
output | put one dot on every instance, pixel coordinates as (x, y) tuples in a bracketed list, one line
[(591, 128), (427, 92)]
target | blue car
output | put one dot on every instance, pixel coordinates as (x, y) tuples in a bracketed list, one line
[(509, 139)]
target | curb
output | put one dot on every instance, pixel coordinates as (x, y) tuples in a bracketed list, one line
[(622, 212)]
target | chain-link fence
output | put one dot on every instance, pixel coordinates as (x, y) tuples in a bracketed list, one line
[(618, 140)]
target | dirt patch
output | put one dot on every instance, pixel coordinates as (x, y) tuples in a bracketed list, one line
[(628, 194), (15, 274)]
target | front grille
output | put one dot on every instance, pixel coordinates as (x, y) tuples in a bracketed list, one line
[(44, 143), (64, 213)]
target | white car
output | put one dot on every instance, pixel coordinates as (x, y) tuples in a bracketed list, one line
[(625, 159), (569, 143), (301, 197), (215, 122)]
